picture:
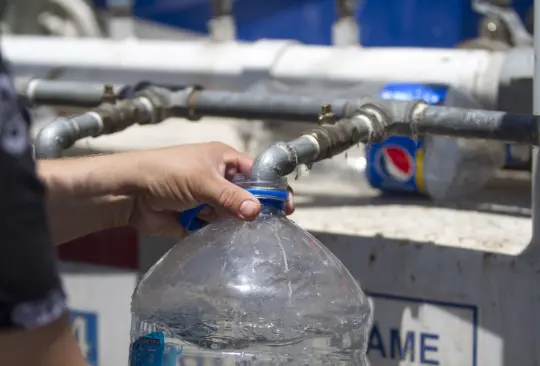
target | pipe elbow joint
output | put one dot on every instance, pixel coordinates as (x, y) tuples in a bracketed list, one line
[(54, 138), (275, 162)]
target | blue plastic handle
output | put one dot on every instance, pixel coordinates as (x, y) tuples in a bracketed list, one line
[(189, 220)]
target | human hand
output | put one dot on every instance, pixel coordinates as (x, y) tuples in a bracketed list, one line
[(146, 189), (171, 180)]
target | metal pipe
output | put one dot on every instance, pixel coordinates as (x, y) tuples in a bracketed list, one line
[(401, 117), (61, 93), (222, 27), (241, 63), (155, 104), (470, 123), (80, 93), (63, 132), (221, 8), (321, 143), (345, 30), (121, 23), (376, 118), (255, 106)]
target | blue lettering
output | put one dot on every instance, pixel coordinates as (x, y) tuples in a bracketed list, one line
[(425, 348), (375, 341), (404, 347), (396, 345)]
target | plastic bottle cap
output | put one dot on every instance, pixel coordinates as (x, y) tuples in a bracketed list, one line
[(268, 197)]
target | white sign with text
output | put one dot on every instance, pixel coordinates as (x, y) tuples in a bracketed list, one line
[(411, 332)]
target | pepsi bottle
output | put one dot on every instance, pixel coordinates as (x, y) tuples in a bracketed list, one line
[(437, 166)]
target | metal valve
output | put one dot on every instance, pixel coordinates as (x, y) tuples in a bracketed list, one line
[(109, 96), (327, 117)]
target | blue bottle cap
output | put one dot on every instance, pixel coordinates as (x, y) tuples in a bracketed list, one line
[(268, 197)]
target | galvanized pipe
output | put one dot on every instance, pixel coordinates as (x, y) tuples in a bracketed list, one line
[(61, 93), (398, 117), (321, 143), (255, 106), (63, 132), (471, 123), (377, 118)]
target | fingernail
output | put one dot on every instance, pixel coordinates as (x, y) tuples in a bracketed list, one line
[(291, 199), (248, 208)]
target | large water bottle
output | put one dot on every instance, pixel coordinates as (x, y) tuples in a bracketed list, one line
[(250, 293)]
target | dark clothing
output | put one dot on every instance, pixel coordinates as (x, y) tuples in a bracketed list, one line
[(30, 287)]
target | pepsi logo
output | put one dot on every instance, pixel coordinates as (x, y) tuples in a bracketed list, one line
[(394, 162)]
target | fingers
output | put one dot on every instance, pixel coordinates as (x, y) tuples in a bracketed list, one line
[(289, 205), (238, 162), (221, 193)]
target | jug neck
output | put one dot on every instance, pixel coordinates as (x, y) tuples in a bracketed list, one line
[(272, 206), (272, 194)]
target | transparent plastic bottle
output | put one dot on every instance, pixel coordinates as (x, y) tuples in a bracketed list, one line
[(250, 293)]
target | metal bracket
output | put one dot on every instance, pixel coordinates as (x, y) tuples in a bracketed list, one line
[(345, 30), (518, 33), (222, 27)]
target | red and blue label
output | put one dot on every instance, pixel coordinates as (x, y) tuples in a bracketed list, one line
[(397, 163)]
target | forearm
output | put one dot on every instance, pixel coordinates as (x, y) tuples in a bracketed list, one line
[(74, 218), (81, 196), (50, 345), (89, 176)]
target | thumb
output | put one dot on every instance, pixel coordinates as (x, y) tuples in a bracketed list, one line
[(239, 202)]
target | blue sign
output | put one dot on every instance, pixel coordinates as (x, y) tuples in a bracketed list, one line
[(85, 330)]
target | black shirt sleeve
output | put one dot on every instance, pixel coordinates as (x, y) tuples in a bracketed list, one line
[(30, 288)]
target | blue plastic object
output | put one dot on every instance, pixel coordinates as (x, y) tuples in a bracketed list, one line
[(189, 220), (386, 23), (268, 197), (148, 350)]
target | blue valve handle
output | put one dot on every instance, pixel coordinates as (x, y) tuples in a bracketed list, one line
[(189, 220)]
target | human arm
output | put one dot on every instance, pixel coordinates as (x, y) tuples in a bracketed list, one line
[(145, 189), (75, 208)]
